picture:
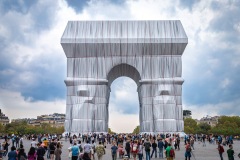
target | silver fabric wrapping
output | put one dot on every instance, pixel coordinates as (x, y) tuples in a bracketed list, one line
[(149, 52)]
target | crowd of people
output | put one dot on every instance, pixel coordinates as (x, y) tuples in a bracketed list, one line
[(123, 146)]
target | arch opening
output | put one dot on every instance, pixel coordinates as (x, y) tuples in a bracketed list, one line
[(123, 105)]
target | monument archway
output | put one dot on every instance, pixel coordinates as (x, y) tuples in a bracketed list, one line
[(149, 52)]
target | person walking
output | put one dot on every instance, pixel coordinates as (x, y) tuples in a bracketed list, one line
[(220, 150), (230, 152), (147, 146), (100, 150)]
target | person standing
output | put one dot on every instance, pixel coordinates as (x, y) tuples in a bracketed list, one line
[(192, 142), (21, 153), (160, 147), (188, 151), (230, 152), (128, 148), (75, 151), (220, 150), (52, 149), (87, 148), (147, 146), (12, 155), (40, 152), (114, 149), (58, 152), (170, 154), (32, 154), (100, 150), (6, 144), (140, 150), (154, 149), (135, 149)]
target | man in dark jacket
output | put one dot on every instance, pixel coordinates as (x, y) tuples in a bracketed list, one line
[(40, 152)]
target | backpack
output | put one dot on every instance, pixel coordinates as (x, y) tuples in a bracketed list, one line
[(172, 153), (221, 149), (147, 146)]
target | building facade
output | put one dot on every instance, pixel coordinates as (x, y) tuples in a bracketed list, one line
[(4, 120)]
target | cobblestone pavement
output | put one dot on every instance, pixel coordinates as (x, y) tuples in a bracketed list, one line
[(200, 153)]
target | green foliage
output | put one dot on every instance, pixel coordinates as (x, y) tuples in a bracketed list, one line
[(136, 130), (2, 129), (190, 125), (21, 128), (227, 126), (203, 128), (110, 131)]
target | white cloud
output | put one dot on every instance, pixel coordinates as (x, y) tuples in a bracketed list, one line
[(119, 122), (225, 83), (223, 108), (15, 106)]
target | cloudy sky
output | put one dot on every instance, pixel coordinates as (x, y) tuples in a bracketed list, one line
[(33, 64)]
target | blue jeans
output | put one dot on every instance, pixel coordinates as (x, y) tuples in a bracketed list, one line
[(140, 156), (160, 152), (148, 155)]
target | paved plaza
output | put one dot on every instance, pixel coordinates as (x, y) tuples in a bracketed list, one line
[(200, 153)]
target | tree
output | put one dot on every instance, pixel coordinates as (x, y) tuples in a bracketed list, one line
[(136, 130), (203, 128), (110, 131), (2, 128), (187, 113), (190, 125)]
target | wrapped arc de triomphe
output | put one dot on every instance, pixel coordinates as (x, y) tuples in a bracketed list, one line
[(149, 52)]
